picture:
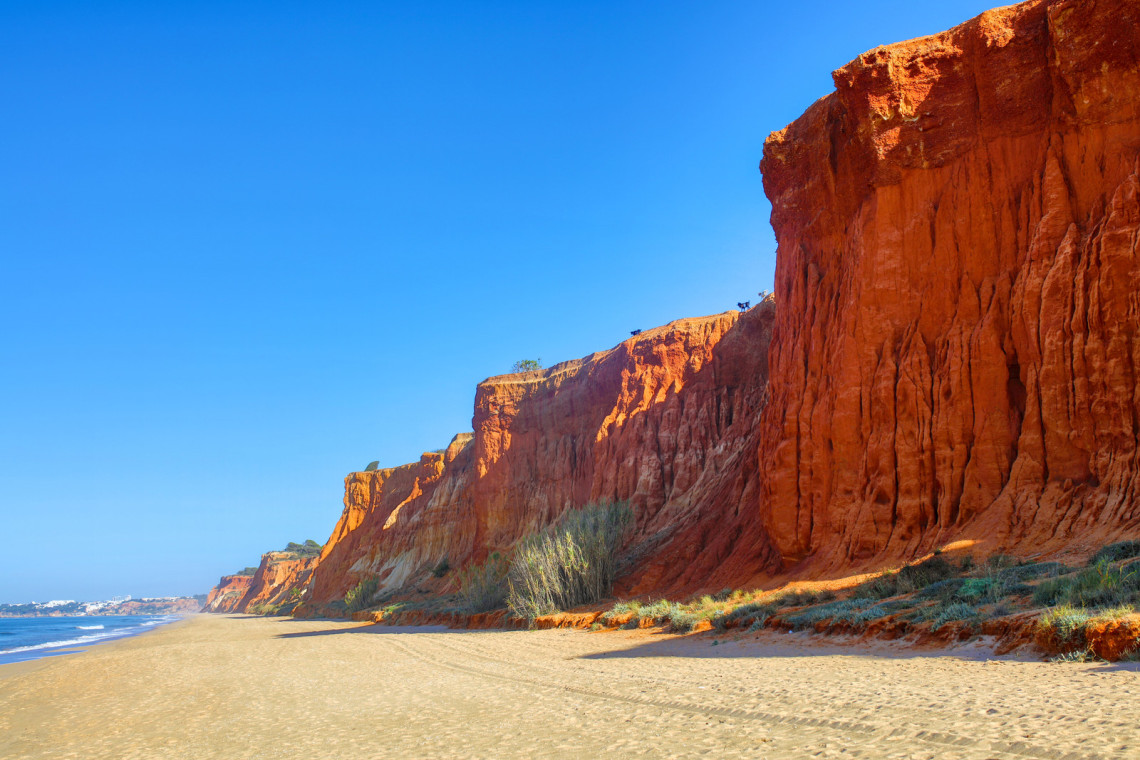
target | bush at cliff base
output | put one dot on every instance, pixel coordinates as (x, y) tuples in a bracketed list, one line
[(568, 564), (482, 588), (360, 596)]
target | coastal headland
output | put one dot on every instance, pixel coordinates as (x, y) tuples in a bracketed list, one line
[(230, 686), (946, 370)]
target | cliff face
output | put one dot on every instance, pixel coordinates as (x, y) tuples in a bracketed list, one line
[(666, 420), (227, 595), (280, 581), (954, 357), (956, 350)]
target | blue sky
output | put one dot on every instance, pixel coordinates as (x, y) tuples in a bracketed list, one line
[(249, 249)]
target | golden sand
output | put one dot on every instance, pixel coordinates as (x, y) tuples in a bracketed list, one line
[(246, 687)]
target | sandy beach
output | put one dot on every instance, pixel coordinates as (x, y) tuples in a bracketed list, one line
[(247, 687)]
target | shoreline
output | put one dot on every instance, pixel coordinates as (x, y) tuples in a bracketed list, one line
[(82, 642), (236, 686)]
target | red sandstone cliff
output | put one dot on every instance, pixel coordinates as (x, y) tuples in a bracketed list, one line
[(666, 420), (954, 355), (279, 583), (957, 345), (226, 596)]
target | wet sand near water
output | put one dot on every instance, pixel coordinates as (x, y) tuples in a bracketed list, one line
[(244, 687)]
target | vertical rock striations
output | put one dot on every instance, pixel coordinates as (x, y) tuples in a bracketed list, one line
[(957, 345), (954, 356)]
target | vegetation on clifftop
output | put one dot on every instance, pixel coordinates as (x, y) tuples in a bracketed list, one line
[(308, 549)]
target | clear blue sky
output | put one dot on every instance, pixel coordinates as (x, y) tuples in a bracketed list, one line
[(249, 249)]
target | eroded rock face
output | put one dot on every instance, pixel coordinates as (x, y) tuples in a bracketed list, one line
[(954, 355), (280, 582), (226, 596), (667, 420), (957, 345)]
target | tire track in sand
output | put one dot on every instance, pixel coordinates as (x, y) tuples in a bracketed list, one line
[(905, 734)]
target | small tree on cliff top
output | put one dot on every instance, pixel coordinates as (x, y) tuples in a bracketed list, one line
[(527, 365)]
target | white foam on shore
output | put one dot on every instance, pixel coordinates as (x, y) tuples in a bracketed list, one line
[(92, 638)]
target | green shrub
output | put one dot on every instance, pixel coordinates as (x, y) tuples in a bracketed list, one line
[(1063, 628), (482, 587), (269, 610), (526, 365), (1113, 613), (953, 612), (842, 609), (945, 589), (879, 587), (990, 589), (441, 568), (803, 598), (909, 579), (878, 611), (919, 576), (1052, 591), (757, 613), (360, 596), (1102, 585), (659, 612), (620, 610), (372, 466), (1032, 571), (1000, 561), (1116, 552), (571, 563), (683, 621), (308, 549)]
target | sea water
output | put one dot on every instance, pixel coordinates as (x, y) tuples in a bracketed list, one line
[(34, 637)]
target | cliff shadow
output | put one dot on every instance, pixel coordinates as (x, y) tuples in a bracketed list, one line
[(773, 644), (382, 630)]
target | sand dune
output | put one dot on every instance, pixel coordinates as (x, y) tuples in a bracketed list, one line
[(236, 687)]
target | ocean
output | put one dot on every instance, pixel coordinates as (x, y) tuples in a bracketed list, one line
[(34, 637)]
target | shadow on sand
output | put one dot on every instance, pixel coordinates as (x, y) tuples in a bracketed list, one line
[(765, 645), (774, 644), (382, 630)]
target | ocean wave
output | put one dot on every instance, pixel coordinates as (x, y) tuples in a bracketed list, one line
[(92, 638), (89, 627)]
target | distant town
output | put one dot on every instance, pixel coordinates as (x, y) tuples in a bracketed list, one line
[(118, 605)]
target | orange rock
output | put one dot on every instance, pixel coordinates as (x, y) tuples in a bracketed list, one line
[(666, 420), (1113, 639), (954, 357), (567, 620), (280, 580), (957, 347), (226, 596)]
